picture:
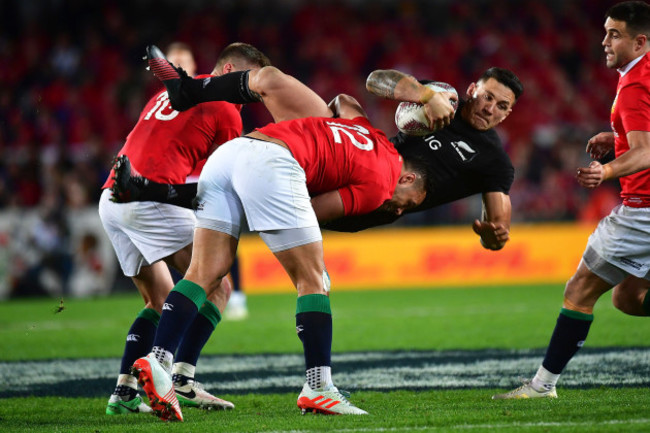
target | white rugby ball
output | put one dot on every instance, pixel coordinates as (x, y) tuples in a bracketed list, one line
[(410, 117)]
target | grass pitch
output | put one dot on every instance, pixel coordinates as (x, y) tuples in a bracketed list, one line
[(415, 321)]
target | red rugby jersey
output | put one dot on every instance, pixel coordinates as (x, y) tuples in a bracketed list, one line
[(166, 145), (350, 156), (631, 112)]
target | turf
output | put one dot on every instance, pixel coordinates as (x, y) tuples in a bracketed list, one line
[(504, 317), (473, 318), (595, 410)]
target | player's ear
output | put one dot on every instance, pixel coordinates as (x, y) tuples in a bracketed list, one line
[(471, 90), (407, 178), (227, 68)]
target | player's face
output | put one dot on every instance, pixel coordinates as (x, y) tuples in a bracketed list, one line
[(620, 47), (489, 103), (405, 197)]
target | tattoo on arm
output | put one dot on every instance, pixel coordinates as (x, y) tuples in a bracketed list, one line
[(383, 83)]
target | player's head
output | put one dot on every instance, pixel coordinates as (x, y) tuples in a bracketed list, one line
[(627, 33), (412, 185), (180, 54), (491, 98), (239, 56)]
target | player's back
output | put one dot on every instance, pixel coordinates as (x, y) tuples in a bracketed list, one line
[(348, 155), (165, 145)]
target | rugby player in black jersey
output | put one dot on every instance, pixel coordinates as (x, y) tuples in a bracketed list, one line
[(466, 158)]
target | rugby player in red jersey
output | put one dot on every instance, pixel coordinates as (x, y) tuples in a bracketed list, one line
[(167, 145), (280, 180), (618, 252)]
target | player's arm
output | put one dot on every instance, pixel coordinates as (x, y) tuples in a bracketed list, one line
[(356, 223), (328, 206), (346, 107), (632, 161), (600, 144), (392, 84), (494, 228)]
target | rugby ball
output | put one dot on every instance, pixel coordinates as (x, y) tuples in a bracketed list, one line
[(410, 117)]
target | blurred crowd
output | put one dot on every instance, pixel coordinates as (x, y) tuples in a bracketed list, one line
[(72, 82)]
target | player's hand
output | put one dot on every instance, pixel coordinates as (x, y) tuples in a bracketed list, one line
[(592, 176), (438, 109), (493, 235), (600, 145)]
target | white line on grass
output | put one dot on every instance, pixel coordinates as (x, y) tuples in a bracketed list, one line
[(501, 427)]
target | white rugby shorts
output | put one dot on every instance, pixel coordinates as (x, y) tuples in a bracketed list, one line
[(254, 182), (143, 233), (620, 245)]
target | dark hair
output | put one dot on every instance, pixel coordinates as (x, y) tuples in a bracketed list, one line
[(505, 77), (635, 14), (242, 51), (419, 165)]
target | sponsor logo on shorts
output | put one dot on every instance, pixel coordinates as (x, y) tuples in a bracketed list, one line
[(167, 306), (299, 329), (629, 262), (134, 338)]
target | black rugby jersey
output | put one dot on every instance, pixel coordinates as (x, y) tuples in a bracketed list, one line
[(463, 160)]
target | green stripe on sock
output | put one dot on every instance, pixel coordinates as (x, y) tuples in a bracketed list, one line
[(577, 315), (210, 312), (150, 314), (313, 303), (192, 291)]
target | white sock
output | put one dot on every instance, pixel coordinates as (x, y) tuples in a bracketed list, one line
[(319, 378), (184, 368), (165, 357), (127, 380), (544, 380)]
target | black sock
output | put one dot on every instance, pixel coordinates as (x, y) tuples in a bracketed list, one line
[(139, 339), (126, 392), (232, 87), (179, 311), (568, 337), (314, 327), (198, 334), (177, 194)]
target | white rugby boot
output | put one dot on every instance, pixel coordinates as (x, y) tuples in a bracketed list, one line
[(157, 383), (526, 391), (191, 393), (328, 402)]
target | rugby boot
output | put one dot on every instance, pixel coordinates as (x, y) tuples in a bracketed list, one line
[(328, 402), (117, 406), (157, 383), (526, 391), (171, 76), (190, 393), (126, 187)]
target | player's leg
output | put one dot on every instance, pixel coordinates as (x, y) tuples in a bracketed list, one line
[(189, 391), (153, 282), (631, 296), (571, 329), (284, 96), (236, 308), (211, 259), (305, 266)]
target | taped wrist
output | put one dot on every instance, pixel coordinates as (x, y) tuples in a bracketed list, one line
[(232, 87)]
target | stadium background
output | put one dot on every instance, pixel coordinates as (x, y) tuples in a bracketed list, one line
[(72, 84)]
